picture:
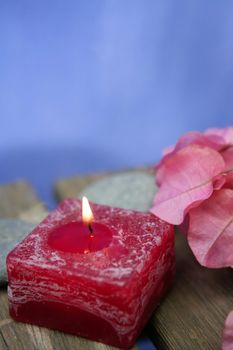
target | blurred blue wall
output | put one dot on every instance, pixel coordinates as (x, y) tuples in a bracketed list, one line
[(100, 84)]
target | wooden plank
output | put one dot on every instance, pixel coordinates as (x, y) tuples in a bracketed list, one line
[(19, 201), (3, 345), (192, 314)]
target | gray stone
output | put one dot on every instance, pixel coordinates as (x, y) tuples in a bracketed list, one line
[(129, 190), (12, 231)]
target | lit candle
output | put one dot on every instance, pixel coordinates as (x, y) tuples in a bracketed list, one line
[(87, 214), (96, 275), (81, 236)]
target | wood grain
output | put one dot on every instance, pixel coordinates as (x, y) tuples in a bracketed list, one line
[(192, 314), (3, 345), (20, 201)]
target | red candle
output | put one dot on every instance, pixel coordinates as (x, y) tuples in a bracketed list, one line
[(100, 278)]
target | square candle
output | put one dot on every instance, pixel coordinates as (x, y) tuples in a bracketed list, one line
[(102, 286)]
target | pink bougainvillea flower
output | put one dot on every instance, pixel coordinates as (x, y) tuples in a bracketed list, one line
[(168, 150), (228, 181), (196, 192), (225, 133), (227, 155), (210, 234), (198, 138), (215, 142), (227, 341), (189, 178)]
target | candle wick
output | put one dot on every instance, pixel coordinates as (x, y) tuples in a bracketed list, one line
[(90, 229)]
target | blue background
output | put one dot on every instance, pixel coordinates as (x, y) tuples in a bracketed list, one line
[(106, 84)]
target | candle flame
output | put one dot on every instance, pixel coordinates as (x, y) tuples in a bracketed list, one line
[(87, 214)]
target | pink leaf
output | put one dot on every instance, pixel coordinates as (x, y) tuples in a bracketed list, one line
[(190, 138), (227, 155), (227, 341), (198, 138), (229, 181), (219, 181), (225, 133), (210, 233), (188, 180), (168, 150)]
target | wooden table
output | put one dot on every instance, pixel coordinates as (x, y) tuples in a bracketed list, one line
[(190, 317)]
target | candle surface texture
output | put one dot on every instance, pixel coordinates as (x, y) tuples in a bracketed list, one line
[(104, 289)]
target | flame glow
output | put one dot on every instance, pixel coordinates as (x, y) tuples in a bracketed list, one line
[(87, 214)]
